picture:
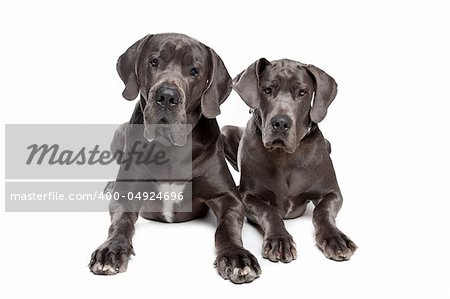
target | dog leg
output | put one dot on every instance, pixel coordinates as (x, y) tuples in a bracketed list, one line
[(112, 256), (334, 244), (233, 261), (278, 244)]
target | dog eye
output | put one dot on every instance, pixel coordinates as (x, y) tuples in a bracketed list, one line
[(154, 62), (194, 72), (302, 92), (268, 90)]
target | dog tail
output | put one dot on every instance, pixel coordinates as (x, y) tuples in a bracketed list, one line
[(231, 136)]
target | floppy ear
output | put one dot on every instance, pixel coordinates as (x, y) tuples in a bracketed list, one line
[(218, 87), (326, 89), (246, 83), (126, 67)]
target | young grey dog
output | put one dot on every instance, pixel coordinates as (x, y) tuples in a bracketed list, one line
[(283, 157), (179, 80)]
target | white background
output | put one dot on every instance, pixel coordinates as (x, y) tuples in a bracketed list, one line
[(388, 127)]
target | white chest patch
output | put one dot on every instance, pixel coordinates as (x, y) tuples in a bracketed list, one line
[(290, 208), (169, 206)]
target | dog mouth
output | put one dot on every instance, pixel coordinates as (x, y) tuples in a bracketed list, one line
[(165, 127), (163, 121), (166, 134), (278, 144)]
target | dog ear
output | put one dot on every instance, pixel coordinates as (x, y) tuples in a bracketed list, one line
[(246, 83), (326, 89), (218, 87), (127, 68)]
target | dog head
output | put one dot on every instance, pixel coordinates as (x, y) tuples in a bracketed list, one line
[(179, 79), (281, 93)]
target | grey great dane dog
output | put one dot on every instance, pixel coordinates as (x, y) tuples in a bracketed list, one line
[(180, 81), (283, 157)]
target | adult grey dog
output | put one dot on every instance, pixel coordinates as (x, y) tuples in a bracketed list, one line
[(180, 81), (283, 157)]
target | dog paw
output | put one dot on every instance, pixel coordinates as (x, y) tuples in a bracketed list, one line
[(336, 245), (238, 265), (279, 248), (111, 257)]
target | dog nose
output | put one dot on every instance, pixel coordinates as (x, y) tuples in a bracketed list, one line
[(167, 97), (281, 123)]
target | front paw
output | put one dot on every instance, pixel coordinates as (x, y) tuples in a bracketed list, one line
[(280, 248), (237, 265), (335, 245), (111, 257)]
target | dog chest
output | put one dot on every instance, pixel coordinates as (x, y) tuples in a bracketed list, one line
[(170, 206)]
